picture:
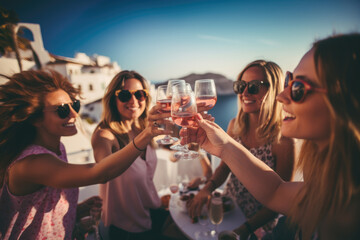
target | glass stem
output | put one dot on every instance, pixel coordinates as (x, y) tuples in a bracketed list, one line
[(186, 149), (167, 136)]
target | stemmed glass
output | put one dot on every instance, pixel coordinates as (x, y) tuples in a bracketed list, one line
[(174, 189), (163, 99), (216, 213), (95, 214), (203, 221), (183, 112), (205, 93)]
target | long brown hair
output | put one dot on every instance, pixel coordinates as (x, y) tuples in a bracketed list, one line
[(21, 103), (332, 176), (270, 111), (111, 118)]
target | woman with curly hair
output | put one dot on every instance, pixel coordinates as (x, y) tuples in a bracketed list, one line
[(39, 188)]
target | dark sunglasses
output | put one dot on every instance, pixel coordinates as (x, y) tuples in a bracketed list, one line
[(299, 88), (63, 110), (125, 95), (253, 86)]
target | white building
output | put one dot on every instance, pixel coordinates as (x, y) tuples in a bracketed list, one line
[(91, 73)]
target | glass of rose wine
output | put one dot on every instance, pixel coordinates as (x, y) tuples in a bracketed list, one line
[(205, 93), (216, 213), (183, 112), (164, 101)]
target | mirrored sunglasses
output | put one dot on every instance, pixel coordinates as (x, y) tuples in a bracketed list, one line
[(125, 95), (299, 88), (253, 86), (63, 110)]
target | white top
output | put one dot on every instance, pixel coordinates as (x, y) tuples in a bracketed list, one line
[(128, 198)]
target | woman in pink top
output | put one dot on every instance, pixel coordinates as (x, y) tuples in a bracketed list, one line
[(38, 194), (129, 198)]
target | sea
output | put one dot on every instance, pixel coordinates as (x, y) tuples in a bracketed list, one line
[(224, 110)]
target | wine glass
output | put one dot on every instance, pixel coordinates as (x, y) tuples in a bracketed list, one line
[(203, 219), (165, 101), (179, 147), (184, 182), (216, 213), (95, 214), (174, 188), (205, 93), (183, 112)]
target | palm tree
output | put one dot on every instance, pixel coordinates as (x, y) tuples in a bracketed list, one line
[(8, 36)]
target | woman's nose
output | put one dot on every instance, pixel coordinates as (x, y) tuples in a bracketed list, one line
[(73, 113), (284, 96)]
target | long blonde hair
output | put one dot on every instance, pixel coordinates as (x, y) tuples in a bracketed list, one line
[(270, 111), (111, 118), (332, 176)]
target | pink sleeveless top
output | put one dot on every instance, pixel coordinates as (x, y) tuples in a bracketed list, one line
[(48, 213), (128, 198)]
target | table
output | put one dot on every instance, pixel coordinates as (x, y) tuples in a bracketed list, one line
[(232, 219), (168, 172)]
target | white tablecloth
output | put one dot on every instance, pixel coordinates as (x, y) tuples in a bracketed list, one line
[(231, 220), (168, 172)]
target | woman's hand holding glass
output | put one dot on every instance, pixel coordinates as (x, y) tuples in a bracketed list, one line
[(210, 136), (157, 118), (164, 100)]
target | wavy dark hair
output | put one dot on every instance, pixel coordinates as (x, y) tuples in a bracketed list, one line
[(21, 103)]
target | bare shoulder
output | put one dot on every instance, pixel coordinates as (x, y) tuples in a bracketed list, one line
[(33, 165), (102, 134)]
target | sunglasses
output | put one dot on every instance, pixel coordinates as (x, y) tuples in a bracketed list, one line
[(63, 110), (299, 88), (253, 86), (125, 95)]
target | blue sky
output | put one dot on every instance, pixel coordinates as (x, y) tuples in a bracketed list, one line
[(172, 38)]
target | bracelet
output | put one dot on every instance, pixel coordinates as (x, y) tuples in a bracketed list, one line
[(248, 227), (139, 149)]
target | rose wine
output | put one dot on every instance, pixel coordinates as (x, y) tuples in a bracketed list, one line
[(174, 188), (209, 101), (165, 105), (216, 211), (184, 119)]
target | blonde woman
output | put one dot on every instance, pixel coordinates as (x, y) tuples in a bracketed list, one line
[(128, 199), (256, 126), (322, 104)]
